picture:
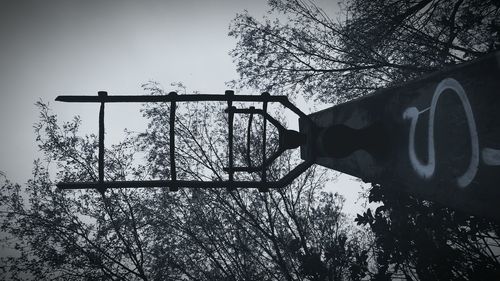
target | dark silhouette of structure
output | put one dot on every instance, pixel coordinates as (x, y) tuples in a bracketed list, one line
[(288, 139), (437, 137)]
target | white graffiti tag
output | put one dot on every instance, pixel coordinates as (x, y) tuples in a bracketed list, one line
[(491, 157), (426, 170)]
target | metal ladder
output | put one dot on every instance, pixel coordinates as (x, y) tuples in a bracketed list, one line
[(288, 139)]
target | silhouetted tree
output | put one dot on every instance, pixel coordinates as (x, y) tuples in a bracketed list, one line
[(421, 240), (376, 44), (371, 44), (296, 233)]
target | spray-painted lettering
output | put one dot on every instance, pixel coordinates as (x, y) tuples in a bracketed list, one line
[(426, 170)]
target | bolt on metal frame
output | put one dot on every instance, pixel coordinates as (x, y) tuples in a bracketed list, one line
[(288, 139)]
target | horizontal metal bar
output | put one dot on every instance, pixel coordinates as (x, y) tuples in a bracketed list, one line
[(258, 111), (170, 98), (286, 180), (259, 167), (167, 183)]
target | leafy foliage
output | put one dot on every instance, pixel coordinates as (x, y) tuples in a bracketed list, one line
[(296, 233), (375, 44), (417, 239), (300, 49)]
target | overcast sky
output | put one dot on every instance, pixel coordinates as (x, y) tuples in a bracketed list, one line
[(71, 47)]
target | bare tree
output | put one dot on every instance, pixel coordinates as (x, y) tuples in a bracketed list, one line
[(368, 46), (297, 233), (375, 44)]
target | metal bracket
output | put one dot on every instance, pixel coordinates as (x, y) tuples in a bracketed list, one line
[(288, 139)]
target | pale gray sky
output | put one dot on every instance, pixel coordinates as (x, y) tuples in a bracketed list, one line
[(71, 47)]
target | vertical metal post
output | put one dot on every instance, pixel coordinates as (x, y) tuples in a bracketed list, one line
[(249, 131), (265, 96), (100, 163), (173, 183), (230, 108), (173, 172)]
